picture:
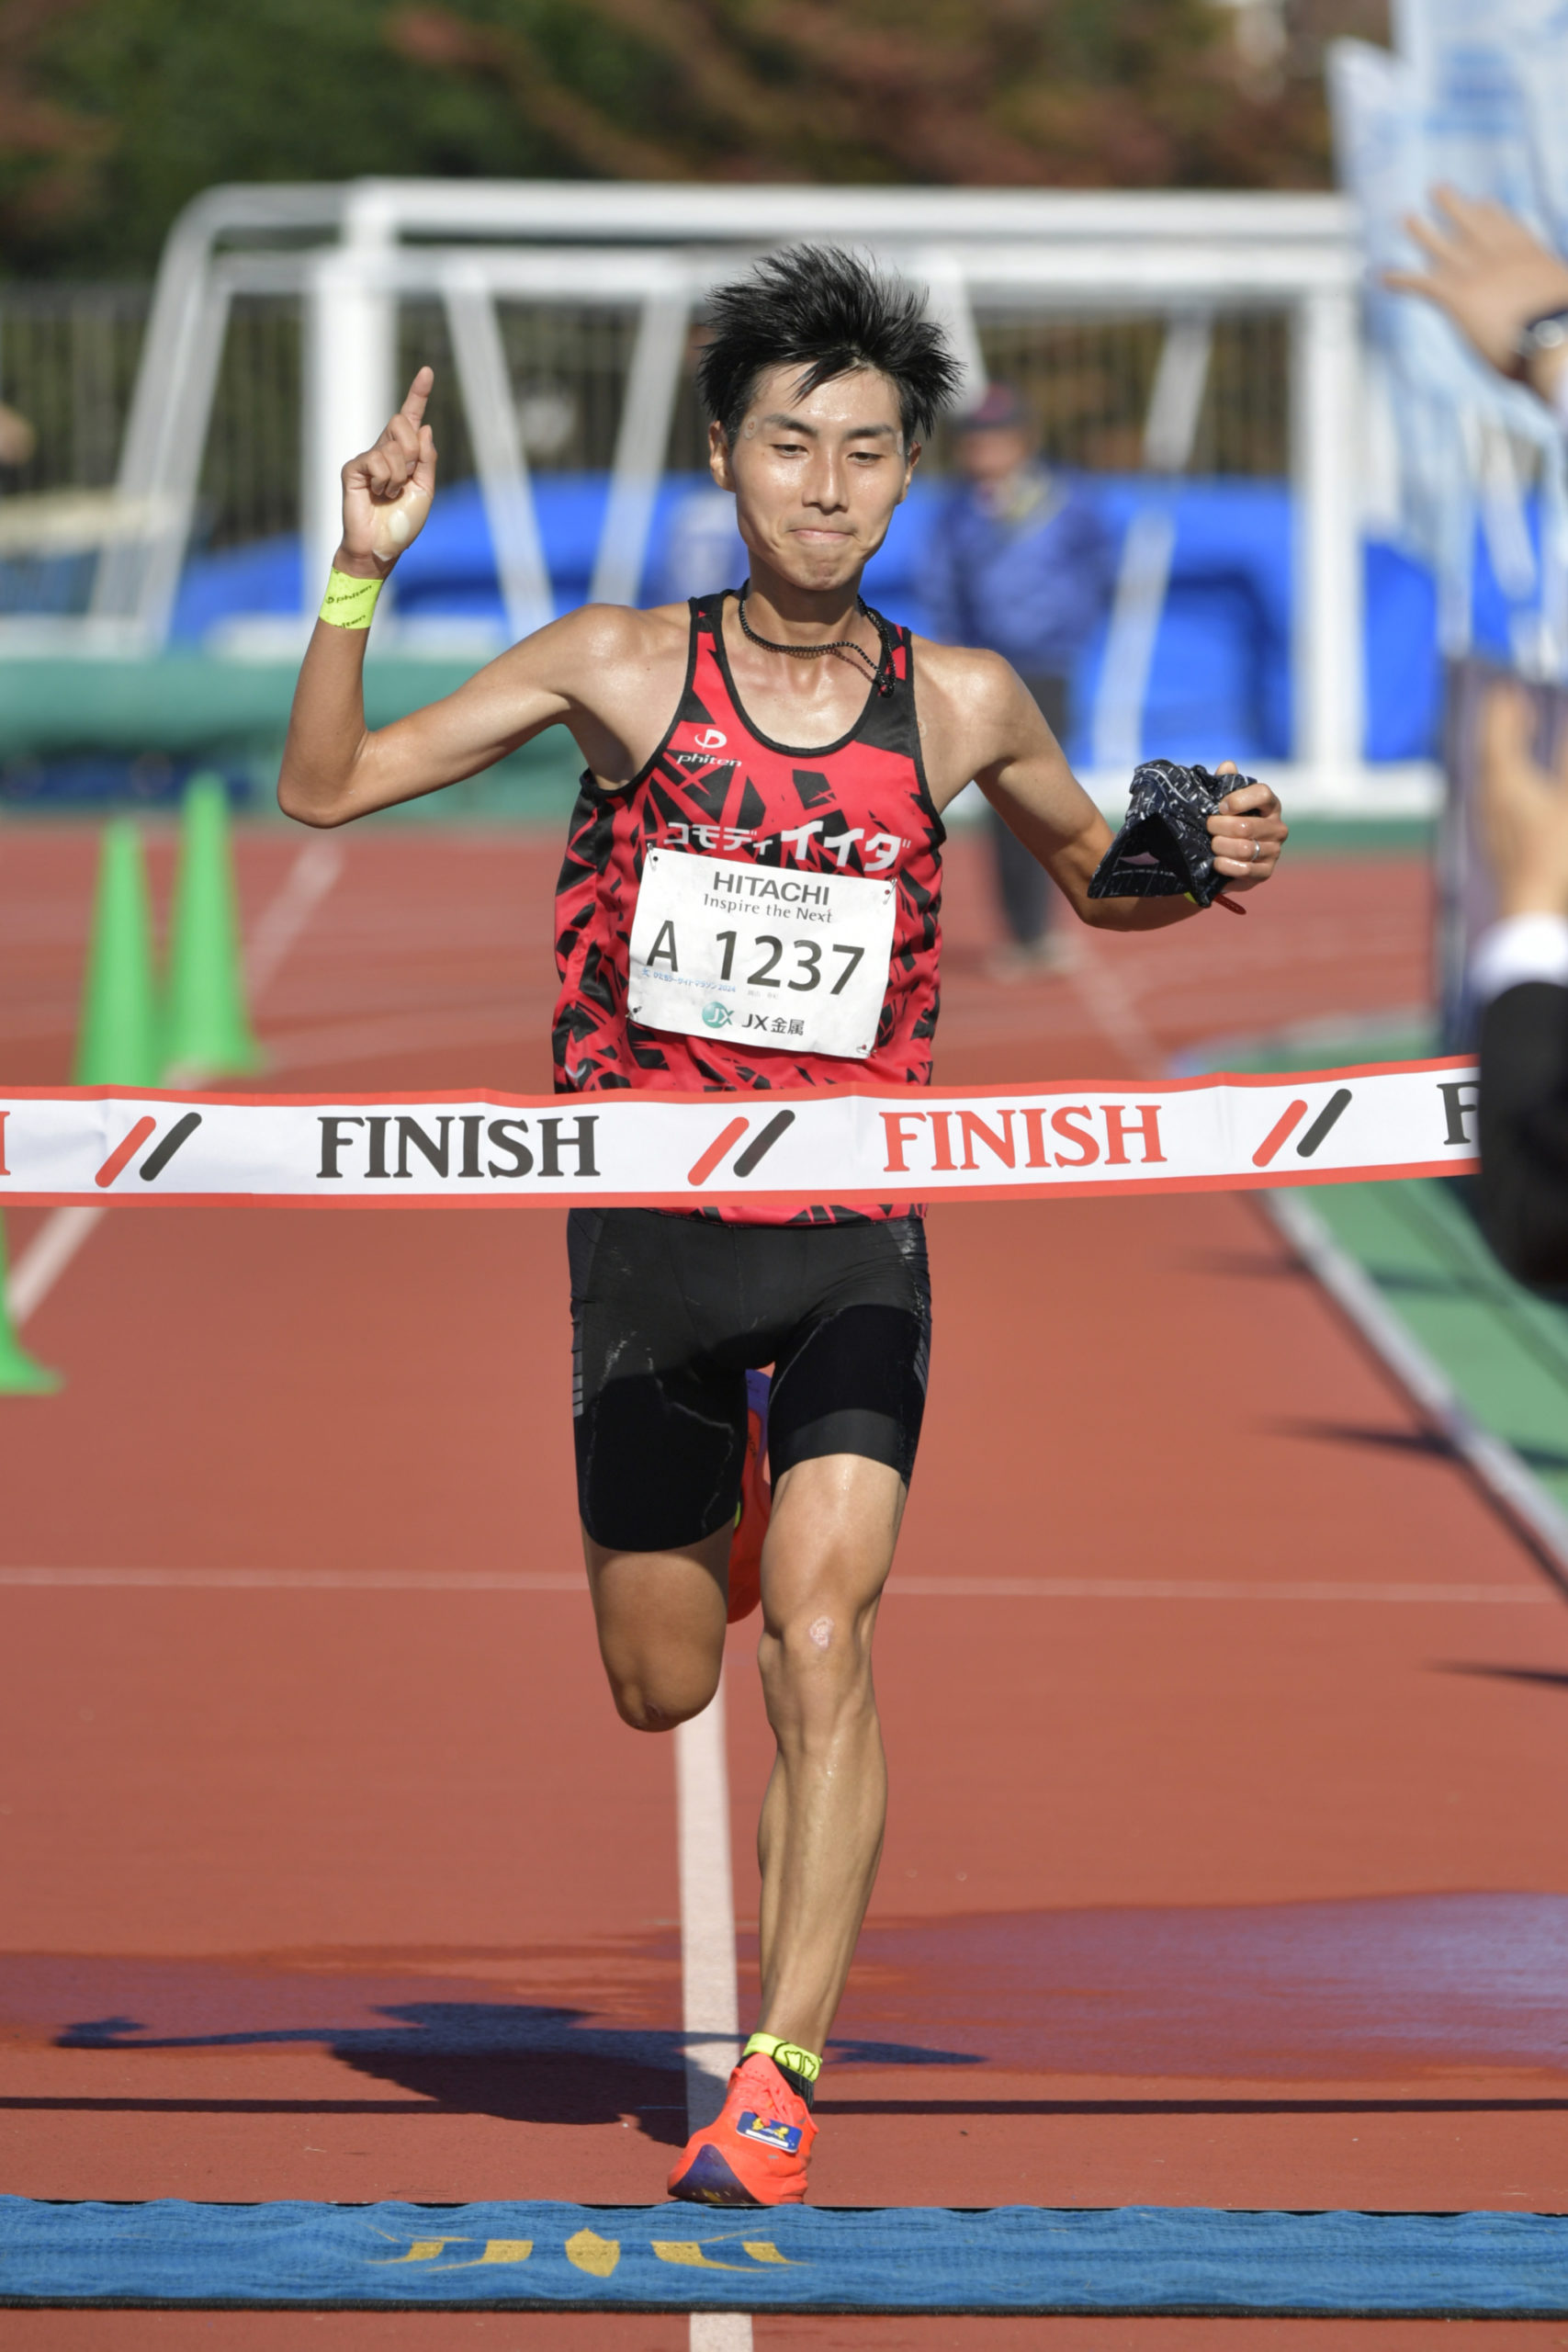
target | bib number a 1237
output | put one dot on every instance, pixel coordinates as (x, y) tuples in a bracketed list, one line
[(761, 956)]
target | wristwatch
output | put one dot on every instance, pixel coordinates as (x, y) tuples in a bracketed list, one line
[(1548, 332)]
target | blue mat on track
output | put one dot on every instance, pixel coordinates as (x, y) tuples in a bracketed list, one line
[(678, 2257)]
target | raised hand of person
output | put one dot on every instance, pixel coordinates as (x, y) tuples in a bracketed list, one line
[(1524, 807), (1493, 279), (386, 490)]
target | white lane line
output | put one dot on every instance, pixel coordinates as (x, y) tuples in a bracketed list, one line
[(45, 1259), (1193, 1588), (720, 2332), (402, 1032), (1107, 997), (1492, 1461), (710, 1995), (711, 2013), (63, 1232), (913, 1587), (310, 877), (303, 1579)]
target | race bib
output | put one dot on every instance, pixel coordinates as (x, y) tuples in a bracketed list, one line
[(760, 956)]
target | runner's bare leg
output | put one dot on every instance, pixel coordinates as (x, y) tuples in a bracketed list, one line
[(828, 1551), (662, 1625), (660, 1617)]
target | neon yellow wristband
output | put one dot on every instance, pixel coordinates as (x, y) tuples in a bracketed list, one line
[(349, 602)]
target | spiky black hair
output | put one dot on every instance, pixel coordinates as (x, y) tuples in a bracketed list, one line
[(826, 312)]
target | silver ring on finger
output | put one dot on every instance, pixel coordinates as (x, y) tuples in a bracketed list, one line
[(1256, 851)]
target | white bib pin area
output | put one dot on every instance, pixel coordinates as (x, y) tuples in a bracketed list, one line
[(772, 957)]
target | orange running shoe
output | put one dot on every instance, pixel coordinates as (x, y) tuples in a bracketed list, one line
[(756, 1505), (756, 2152)]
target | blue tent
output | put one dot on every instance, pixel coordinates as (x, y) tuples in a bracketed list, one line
[(1220, 681)]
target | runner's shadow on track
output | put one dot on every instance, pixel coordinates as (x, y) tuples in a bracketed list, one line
[(1537, 1674), (519, 2062), (1243, 1265), (544, 2086), (1411, 1442), (1426, 1444)]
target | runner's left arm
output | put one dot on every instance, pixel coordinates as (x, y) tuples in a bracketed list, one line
[(1024, 774)]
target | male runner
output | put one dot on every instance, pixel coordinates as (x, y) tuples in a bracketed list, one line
[(791, 728)]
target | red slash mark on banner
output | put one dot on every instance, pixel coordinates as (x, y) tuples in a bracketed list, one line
[(1290, 1120), (1283, 1127), (755, 1150), (157, 1159), (125, 1150), (703, 1168)]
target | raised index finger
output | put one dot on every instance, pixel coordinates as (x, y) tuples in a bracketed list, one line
[(418, 393)]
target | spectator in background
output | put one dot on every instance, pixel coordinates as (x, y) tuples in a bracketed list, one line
[(1519, 974), (1506, 293), (1019, 561), (18, 438), (1508, 296)]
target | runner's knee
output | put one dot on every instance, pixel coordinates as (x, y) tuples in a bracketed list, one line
[(818, 1653), (658, 1696)]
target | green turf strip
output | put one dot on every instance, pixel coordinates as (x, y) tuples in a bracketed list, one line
[(1503, 1348)]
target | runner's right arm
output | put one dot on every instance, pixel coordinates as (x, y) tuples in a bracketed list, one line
[(334, 768)]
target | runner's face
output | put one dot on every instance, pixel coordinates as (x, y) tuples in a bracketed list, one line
[(815, 475)]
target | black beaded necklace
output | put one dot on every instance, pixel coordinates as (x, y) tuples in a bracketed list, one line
[(882, 674)]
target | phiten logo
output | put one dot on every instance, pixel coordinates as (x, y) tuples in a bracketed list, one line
[(710, 740), (157, 1159)]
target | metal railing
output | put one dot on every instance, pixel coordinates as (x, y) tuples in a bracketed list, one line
[(69, 356), (68, 362), (1184, 330)]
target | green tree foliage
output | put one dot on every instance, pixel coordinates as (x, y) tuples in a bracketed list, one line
[(113, 113)]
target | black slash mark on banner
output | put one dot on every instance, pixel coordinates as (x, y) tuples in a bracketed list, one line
[(763, 1142), (158, 1158), (1327, 1118)]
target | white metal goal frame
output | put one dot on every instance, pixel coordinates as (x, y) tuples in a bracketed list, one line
[(351, 253)]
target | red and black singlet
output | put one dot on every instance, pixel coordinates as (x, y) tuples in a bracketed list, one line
[(860, 806)]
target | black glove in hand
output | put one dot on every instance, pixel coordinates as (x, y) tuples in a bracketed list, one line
[(1164, 847)]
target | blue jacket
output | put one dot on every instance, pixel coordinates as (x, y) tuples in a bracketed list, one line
[(1034, 590)]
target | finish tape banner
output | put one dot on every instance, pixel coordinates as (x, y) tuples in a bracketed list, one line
[(1192, 1134)]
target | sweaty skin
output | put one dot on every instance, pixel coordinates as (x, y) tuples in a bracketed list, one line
[(817, 478)]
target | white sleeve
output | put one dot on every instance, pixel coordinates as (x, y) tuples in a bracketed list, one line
[(1522, 947)]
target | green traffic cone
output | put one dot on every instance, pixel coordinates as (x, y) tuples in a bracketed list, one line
[(117, 1045), (19, 1376), (206, 1025)]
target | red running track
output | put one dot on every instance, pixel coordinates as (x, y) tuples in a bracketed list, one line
[(361, 1891)]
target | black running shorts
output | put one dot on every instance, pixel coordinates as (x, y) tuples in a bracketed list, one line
[(668, 1315)]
